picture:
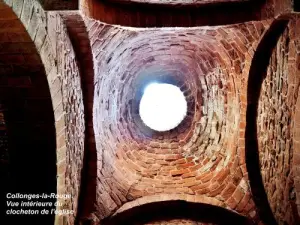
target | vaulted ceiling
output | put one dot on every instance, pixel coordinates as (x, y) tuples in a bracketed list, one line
[(234, 159)]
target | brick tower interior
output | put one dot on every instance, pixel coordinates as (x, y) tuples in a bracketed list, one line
[(72, 76)]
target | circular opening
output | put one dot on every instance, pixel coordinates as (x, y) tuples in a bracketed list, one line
[(163, 106)]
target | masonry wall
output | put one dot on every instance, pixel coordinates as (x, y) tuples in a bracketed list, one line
[(112, 164), (275, 123), (272, 95), (137, 14), (57, 72), (202, 159)]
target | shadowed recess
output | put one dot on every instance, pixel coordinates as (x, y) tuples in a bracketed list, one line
[(59, 4), (296, 5), (137, 14), (181, 3), (30, 135), (169, 210)]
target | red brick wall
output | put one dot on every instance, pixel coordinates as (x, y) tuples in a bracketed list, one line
[(273, 8), (275, 122), (81, 43), (272, 94), (294, 71), (71, 163)]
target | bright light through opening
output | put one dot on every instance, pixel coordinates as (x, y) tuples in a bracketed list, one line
[(163, 106)]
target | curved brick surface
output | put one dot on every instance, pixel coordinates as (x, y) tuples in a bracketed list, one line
[(293, 71), (74, 115), (140, 13), (275, 124), (273, 93), (137, 14), (166, 208), (203, 156)]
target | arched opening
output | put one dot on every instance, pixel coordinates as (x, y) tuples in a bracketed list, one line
[(28, 121), (169, 210), (163, 106), (257, 75), (172, 13)]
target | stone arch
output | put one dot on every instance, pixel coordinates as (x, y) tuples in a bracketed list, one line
[(48, 33), (264, 165), (165, 208), (28, 119)]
